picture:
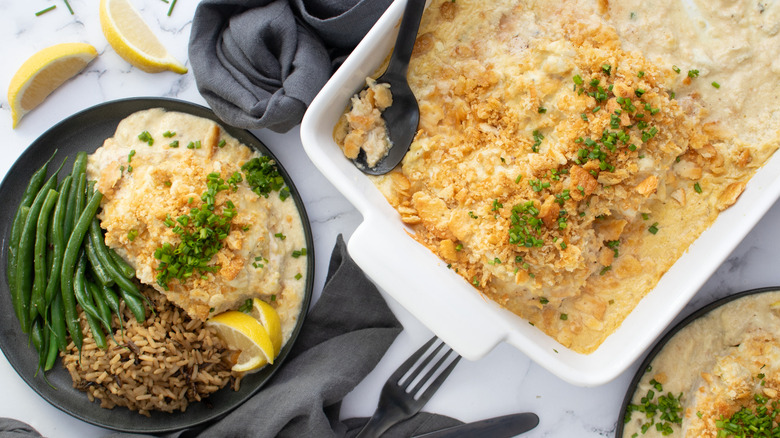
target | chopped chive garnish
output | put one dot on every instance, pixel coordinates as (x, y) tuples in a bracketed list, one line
[(693, 73), (676, 69), (221, 143), (697, 187), (146, 137), (68, 6), (653, 228), (43, 11), (173, 3), (716, 85), (168, 134), (247, 306), (174, 144)]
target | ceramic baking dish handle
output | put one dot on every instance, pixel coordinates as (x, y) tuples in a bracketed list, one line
[(464, 321)]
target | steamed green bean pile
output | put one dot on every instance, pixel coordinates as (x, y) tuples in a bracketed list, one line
[(58, 261)]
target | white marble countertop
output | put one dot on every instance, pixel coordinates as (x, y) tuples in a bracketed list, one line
[(503, 382)]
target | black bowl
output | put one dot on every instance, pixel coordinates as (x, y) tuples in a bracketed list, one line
[(665, 339), (86, 131)]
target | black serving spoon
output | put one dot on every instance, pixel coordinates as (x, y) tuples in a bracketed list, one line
[(403, 116)]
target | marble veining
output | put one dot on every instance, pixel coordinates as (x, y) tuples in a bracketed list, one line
[(503, 382)]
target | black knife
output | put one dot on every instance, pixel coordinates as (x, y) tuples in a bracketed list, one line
[(498, 427)]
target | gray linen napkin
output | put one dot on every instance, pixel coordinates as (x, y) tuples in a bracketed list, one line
[(345, 334), (259, 63)]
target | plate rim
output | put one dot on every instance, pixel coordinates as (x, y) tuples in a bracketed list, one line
[(36, 383)]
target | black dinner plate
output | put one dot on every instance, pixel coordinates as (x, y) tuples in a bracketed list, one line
[(86, 131), (667, 337)]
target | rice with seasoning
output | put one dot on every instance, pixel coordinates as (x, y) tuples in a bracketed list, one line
[(162, 364)]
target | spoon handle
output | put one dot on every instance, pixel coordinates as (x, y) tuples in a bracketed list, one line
[(407, 34)]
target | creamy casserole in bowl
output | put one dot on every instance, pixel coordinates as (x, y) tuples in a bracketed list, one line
[(567, 156), (714, 374)]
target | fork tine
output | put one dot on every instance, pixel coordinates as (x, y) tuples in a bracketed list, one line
[(421, 366), (407, 365), (395, 403), (439, 379)]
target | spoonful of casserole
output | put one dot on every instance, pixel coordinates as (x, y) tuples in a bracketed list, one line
[(379, 128)]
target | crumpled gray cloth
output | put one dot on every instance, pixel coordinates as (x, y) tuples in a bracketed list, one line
[(345, 334), (259, 63)]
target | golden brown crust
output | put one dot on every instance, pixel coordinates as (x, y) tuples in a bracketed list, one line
[(559, 163)]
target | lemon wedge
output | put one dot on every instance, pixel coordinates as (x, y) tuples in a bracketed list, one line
[(133, 40), (246, 334), (266, 314), (43, 73)]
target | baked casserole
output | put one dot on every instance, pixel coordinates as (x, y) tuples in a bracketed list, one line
[(569, 152)]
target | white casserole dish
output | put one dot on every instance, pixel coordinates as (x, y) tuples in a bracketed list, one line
[(446, 303)]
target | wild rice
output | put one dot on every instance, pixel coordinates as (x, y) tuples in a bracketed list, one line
[(163, 364)]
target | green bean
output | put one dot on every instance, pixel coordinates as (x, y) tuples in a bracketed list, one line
[(69, 306), (35, 184), (83, 296), (135, 304), (51, 350), (97, 332), (100, 303), (123, 282), (112, 299), (57, 318), (38, 299), (81, 195), (36, 336), (121, 264), (70, 208), (69, 259), (79, 167), (11, 268), (113, 303), (100, 272), (24, 261), (58, 240), (49, 246), (80, 163), (32, 189)]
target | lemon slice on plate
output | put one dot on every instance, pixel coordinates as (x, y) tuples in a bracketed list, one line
[(43, 73), (246, 334), (133, 40), (266, 314)]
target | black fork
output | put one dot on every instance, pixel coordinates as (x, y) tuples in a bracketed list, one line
[(398, 400)]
